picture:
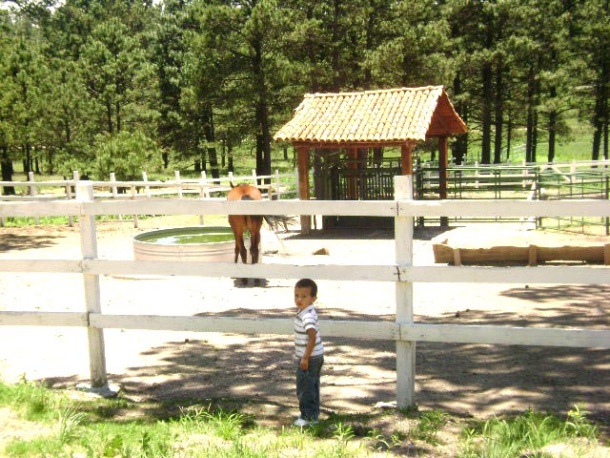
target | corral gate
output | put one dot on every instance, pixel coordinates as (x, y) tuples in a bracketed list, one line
[(349, 179)]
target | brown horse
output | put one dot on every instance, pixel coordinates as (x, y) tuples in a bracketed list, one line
[(242, 223)]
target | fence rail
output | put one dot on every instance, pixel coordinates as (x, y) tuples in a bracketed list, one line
[(277, 186), (404, 331), (569, 180)]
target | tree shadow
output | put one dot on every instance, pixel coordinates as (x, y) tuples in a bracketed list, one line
[(10, 242), (255, 374)]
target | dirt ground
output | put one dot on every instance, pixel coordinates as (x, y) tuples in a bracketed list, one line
[(258, 372)]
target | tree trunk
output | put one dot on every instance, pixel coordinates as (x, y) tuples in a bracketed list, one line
[(530, 123), (509, 130), (109, 118), (460, 149), (552, 135), (266, 137), (336, 49), (118, 117), (597, 135), (6, 166), (27, 154), (499, 114), (210, 138), (263, 139), (230, 167), (535, 137), (486, 114)]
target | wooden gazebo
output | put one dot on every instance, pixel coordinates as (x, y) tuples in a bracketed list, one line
[(356, 121)]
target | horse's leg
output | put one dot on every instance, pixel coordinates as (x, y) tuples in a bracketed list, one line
[(239, 242), (240, 252), (255, 241), (235, 228), (243, 251)]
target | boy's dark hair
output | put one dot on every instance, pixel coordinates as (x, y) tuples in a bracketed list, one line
[(308, 283)]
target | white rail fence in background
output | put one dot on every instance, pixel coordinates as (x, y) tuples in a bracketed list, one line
[(404, 330), (277, 186), (272, 185)]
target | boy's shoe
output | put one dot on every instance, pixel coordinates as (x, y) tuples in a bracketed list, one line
[(301, 422)]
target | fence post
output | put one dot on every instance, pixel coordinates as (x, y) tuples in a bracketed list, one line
[(278, 186), (607, 192), (97, 356), (145, 180), (178, 183), (204, 193), (133, 189), (405, 350), (31, 188), (32, 191)]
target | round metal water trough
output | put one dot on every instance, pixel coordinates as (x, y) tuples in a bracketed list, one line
[(214, 243)]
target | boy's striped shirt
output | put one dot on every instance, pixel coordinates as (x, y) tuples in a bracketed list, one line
[(304, 320)]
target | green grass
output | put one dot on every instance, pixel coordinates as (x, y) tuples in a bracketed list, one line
[(530, 434), (73, 426)]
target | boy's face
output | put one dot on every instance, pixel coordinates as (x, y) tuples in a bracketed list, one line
[(303, 297)]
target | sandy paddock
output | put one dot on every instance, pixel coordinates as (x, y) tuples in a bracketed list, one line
[(258, 371)]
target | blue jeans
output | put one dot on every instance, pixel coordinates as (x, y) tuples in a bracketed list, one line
[(308, 389)]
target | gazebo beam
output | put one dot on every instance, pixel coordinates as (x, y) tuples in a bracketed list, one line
[(347, 144)]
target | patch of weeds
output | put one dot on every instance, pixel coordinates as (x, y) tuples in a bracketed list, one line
[(32, 400), (69, 421), (110, 408), (39, 446), (133, 439), (227, 425), (343, 433), (577, 424), (411, 411), (429, 424), (525, 435), (380, 442)]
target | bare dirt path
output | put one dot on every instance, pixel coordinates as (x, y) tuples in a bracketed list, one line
[(257, 372)]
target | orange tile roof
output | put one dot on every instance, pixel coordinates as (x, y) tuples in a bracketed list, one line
[(380, 116)]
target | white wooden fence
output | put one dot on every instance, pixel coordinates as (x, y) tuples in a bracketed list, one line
[(278, 185), (402, 273)]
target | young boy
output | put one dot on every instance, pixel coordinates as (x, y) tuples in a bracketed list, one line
[(309, 351)]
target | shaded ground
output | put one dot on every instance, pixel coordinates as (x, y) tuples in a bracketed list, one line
[(257, 372)]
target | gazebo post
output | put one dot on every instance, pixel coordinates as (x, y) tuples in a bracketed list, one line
[(303, 174), (443, 163), (406, 159)]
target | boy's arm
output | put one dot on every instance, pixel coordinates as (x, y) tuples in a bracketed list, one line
[(311, 343)]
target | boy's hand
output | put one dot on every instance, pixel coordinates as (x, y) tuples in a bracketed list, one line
[(304, 363)]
